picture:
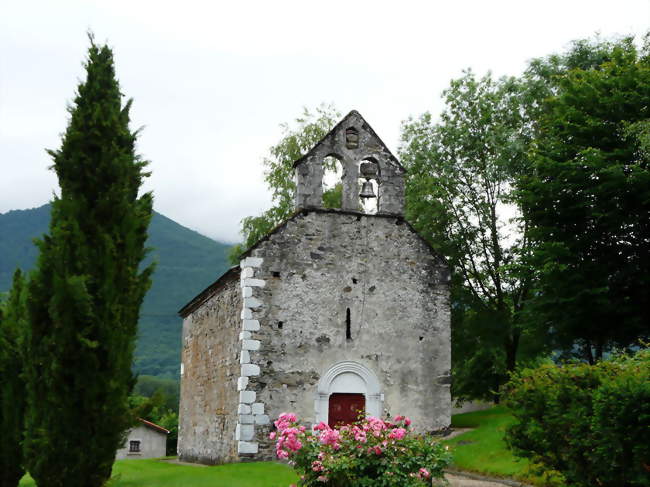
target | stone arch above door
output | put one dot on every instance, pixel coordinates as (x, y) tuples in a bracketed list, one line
[(348, 377)]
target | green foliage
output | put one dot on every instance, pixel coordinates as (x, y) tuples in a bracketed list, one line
[(148, 385), (333, 198), (154, 473), (308, 129), (186, 263), (12, 389), (588, 197), (85, 296), (591, 423), (462, 173)]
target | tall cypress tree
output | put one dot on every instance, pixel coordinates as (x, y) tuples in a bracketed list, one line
[(85, 296), (12, 388)]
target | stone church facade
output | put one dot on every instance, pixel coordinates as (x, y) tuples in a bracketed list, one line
[(334, 311)]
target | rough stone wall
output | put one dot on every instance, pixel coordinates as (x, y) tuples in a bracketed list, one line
[(210, 369), (315, 268)]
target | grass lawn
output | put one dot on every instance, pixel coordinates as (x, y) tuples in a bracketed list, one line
[(484, 450), (154, 473)]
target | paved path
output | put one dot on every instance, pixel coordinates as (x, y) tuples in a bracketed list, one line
[(458, 481), (466, 479)]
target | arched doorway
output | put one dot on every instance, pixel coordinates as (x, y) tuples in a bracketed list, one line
[(348, 387)]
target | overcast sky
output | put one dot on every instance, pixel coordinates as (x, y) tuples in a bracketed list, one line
[(213, 80)]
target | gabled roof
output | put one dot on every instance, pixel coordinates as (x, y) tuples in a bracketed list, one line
[(153, 426), (366, 126)]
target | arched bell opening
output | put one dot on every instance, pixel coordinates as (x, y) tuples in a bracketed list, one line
[(369, 186), (332, 182)]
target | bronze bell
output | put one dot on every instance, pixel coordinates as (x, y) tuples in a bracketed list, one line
[(366, 190)]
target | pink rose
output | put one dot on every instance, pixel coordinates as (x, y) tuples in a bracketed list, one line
[(397, 434)]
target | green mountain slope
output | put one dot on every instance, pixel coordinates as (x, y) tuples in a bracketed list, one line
[(187, 262)]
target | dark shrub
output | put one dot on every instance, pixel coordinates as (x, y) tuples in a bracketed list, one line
[(591, 423)]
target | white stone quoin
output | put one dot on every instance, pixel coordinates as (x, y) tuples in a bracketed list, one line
[(250, 370), (247, 397), (251, 325), (246, 447), (249, 415)]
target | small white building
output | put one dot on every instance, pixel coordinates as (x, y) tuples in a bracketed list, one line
[(146, 440)]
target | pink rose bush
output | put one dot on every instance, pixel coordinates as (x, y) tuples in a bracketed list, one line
[(370, 452)]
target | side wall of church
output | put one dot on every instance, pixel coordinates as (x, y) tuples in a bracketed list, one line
[(210, 369), (324, 267)]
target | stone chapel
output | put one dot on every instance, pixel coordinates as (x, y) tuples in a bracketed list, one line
[(335, 311)]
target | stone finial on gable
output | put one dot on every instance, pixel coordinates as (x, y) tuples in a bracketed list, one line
[(363, 157)]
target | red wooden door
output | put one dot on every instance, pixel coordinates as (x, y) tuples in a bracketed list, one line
[(345, 408)]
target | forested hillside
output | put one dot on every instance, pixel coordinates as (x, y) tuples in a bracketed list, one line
[(186, 263)]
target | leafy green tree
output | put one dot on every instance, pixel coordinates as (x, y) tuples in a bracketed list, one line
[(461, 180), (588, 201), (12, 388), (309, 129), (85, 296)]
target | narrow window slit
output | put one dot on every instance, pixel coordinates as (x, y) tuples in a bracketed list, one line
[(280, 323), (348, 327)]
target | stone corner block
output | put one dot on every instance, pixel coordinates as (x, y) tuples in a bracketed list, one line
[(249, 370), (246, 314), (251, 325), (250, 345), (262, 419), (258, 408), (246, 447), (251, 262), (245, 357), (244, 432), (252, 303), (246, 272), (243, 409), (242, 383), (252, 283), (246, 419), (247, 397)]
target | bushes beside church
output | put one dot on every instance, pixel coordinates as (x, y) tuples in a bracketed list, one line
[(590, 423)]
